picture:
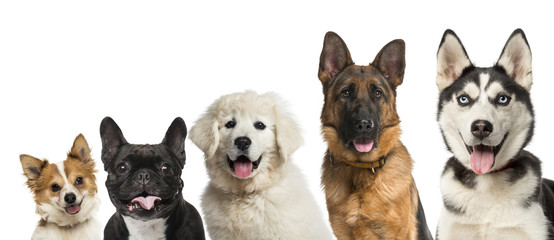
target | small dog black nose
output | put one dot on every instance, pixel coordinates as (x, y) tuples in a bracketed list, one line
[(143, 177), (243, 143), (70, 198), (481, 129), (363, 125)]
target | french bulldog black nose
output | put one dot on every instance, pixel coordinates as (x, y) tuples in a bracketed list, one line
[(70, 198), (143, 177), (363, 125), (243, 143), (481, 128)]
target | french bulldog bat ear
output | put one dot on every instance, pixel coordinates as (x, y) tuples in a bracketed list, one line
[(391, 61), (516, 59), (334, 58), (80, 149), (205, 132), (287, 132), (32, 167), (112, 139), (452, 59), (175, 139)]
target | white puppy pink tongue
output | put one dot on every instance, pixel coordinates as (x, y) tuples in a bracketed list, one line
[(363, 145), (482, 159), (243, 168), (146, 202)]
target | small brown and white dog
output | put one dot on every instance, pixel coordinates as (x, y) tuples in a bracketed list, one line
[(65, 194)]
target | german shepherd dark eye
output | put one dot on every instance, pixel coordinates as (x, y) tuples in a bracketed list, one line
[(230, 124), (259, 125), (345, 93), (503, 100), (55, 187), (378, 93), (78, 181), (464, 100), (166, 169)]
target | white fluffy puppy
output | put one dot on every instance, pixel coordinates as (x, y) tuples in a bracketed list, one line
[(255, 191)]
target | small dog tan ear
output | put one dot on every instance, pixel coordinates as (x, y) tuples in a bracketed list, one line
[(205, 132), (288, 133), (391, 61), (452, 59), (334, 58), (516, 59), (80, 149), (32, 167)]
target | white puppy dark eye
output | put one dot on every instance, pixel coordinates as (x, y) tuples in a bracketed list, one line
[(55, 187), (503, 100), (230, 124), (259, 125), (166, 169), (463, 100), (78, 181)]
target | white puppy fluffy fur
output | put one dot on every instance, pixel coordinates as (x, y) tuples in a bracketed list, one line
[(273, 202)]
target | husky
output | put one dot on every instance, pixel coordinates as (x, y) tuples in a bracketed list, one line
[(491, 188)]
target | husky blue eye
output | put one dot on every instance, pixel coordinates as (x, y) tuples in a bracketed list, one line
[(503, 100), (230, 124), (463, 100)]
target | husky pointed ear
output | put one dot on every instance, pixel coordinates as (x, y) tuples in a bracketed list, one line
[(112, 140), (175, 139), (516, 59), (287, 131), (80, 149), (205, 132), (391, 61), (32, 168), (452, 59), (334, 58)]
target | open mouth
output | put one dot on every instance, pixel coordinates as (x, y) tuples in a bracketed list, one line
[(482, 156), (363, 144), (73, 209), (145, 202), (243, 166)]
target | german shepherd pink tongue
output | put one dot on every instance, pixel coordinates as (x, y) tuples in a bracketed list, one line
[(146, 202), (243, 167), (363, 145), (481, 159)]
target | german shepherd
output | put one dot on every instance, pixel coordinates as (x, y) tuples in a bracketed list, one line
[(367, 177)]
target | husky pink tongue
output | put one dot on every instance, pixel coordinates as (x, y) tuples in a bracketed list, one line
[(146, 202), (243, 167), (482, 159), (73, 209), (363, 145)]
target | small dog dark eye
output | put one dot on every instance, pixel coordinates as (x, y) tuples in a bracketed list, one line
[(78, 181), (122, 168), (166, 169), (55, 187), (259, 125), (230, 124)]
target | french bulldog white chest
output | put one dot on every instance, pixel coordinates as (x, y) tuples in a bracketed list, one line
[(145, 230)]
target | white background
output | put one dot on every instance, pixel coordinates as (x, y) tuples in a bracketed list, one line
[(65, 65)]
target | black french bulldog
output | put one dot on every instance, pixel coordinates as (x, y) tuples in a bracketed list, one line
[(144, 184)]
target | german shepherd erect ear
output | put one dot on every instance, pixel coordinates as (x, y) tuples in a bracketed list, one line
[(452, 59), (334, 58), (516, 59), (391, 61)]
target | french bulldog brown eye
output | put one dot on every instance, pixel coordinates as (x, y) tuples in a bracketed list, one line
[(122, 168), (259, 125), (345, 93), (230, 124), (166, 169), (55, 187), (78, 181), (378, 94)]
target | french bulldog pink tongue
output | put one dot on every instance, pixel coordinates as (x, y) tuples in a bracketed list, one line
[(146, 202), (363, 145), (482, 159), (243, 167), (73, 209)]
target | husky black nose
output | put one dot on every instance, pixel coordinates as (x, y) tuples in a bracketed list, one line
[(69, 198), (243, 143), (363, 125), (481, 128), (143, 177)]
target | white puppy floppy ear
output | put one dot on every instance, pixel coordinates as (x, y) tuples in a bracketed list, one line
[(516, 59), (205, 132), (287, 131), (452, 59)]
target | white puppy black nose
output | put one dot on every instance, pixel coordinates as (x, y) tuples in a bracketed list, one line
[(243, 143)]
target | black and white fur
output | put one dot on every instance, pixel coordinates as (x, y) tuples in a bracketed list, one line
[(490, 108)]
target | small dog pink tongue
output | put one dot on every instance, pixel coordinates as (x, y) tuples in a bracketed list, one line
[(363, 145), (146, 202), (73, 209), (482, 159), (243, 167)]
